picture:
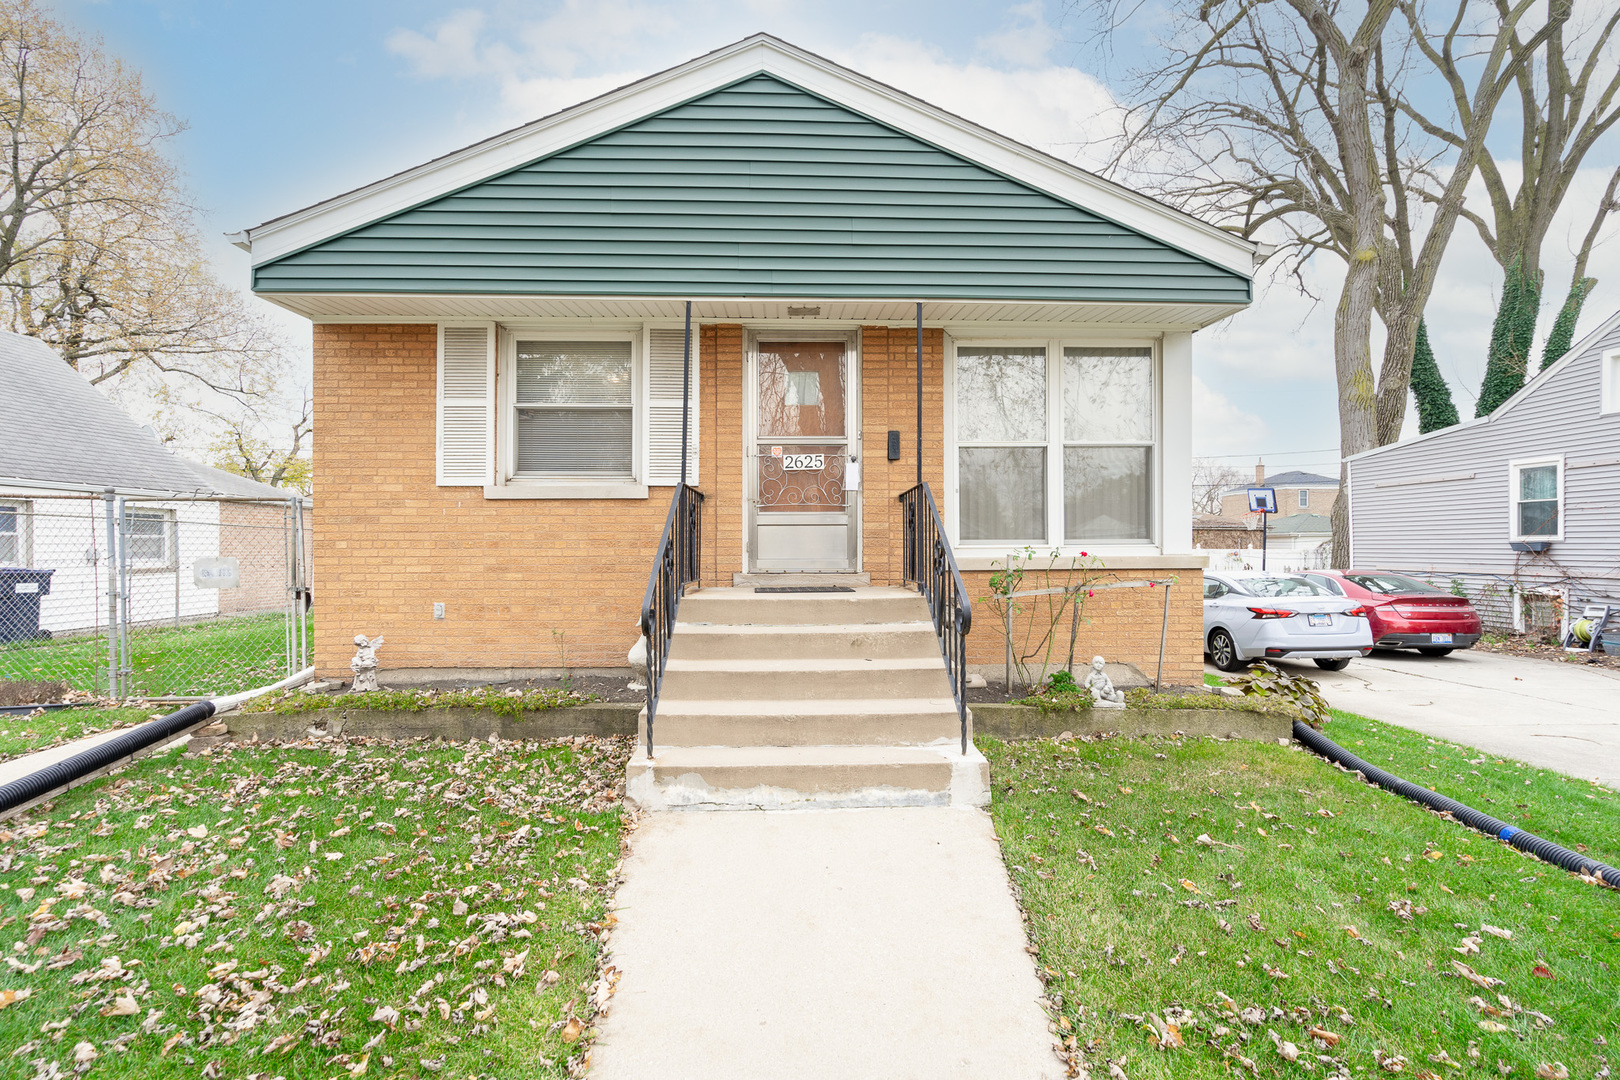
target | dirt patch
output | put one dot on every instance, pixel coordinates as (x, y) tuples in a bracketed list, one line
[(1522, 645), (32, 692), (605, 688)]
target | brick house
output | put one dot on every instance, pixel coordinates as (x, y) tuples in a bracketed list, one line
[(500, 354)]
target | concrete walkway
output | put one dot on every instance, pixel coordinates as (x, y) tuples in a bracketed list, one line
[(881, 943), (19, 767), (1554, 715)]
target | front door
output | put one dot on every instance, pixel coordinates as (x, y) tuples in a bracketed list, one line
[(804, 501)]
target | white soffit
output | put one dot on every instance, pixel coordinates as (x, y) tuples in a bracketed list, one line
[(760, 53), (371, 308)]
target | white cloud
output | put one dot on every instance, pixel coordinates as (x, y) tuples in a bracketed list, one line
[(451, 52), (1221, 427), (1026, 40)]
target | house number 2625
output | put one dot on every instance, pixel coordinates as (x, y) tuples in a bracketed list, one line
[(803, 462)]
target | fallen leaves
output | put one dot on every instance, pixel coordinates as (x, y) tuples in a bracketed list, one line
[(1473, 976), (11, 997)]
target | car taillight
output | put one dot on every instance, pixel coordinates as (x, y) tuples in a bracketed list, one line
[(1272, 613), (1358, 611)]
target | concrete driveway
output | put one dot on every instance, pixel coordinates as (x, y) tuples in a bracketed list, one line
[(1553, 715)]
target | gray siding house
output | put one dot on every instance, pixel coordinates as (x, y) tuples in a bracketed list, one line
[(1520, 510)]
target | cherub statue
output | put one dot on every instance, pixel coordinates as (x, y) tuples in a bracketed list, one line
[(1103, 694), (364, 664)]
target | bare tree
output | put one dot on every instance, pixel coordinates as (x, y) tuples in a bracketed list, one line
[(247, 447), (1567, 103), (1209, 479), (99, 253), (1286, 119)]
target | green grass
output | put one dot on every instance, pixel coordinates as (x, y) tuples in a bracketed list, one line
[(221, 656), (392, 909), (1211, 885), (26, 734), (1213, 680)]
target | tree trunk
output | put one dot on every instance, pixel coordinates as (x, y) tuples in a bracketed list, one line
[(1435, 408), (1562, 334), (1511, 337)]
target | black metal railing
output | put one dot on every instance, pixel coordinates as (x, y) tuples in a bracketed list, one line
[(675, 564), (930, 564)]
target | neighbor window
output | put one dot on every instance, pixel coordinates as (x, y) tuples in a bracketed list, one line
[(149, 537), (1019, 461), (573, 410), (14, 534), (1610, 383), (1536, 487), (1304, 498)]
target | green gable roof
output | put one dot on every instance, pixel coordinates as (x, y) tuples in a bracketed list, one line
[(757, 189)]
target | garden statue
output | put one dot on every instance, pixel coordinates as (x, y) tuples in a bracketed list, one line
[(364, 664), (1103, 694), (638, 664)]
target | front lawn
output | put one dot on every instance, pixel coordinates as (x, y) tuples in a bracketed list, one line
[(1249, 908), (217, 656), (24, 733), (354, 908)]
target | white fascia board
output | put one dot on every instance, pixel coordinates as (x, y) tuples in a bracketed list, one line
[(752, 56)]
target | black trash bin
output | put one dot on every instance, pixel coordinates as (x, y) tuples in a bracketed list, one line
[(20, 591)]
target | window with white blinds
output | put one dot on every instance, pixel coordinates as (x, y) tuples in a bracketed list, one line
[(574, 409)]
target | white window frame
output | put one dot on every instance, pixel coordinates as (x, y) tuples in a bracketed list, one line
[(1304, 498), (1055, 444), (1609, 380), (25, 531), (170, 547), (1515, 467), (513, 485)]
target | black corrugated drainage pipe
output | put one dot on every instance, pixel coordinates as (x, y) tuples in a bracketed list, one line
[(27, 790), (1545, 850)]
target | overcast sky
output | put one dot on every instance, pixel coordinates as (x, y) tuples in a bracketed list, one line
[(292, 101)]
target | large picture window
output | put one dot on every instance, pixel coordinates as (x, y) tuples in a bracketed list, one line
[(1031, 473), (573, 410)]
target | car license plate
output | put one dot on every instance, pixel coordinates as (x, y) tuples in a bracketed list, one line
[(1440, 639), (1319, 620)]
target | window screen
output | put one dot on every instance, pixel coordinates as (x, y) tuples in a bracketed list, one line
[(147, 538), (1001, 443), (1537, 509), (574, 409), (11, 535), (1107, 444)]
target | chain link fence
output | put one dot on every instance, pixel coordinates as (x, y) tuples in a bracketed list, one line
[(130, 597)]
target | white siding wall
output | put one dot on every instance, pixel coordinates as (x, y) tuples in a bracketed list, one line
[(1439, 505)]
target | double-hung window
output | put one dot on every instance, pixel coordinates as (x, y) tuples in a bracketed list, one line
[(573, 410), (1107, 444), (14, 534), (149, 538), (1054, 453), (1535, 490), (1002, 446)]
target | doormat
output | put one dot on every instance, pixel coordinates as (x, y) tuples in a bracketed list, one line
[(803, 588)]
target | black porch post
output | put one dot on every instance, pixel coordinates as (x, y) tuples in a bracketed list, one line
[(686, 388), (919, 392)]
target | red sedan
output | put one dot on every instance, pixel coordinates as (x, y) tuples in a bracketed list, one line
[(1406, 613)]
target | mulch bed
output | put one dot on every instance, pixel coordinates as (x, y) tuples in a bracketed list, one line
[(1538, 650)]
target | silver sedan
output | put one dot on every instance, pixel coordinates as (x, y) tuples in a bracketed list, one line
[(1252, 615)]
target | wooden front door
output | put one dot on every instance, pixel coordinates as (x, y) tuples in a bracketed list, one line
[(805, 476)]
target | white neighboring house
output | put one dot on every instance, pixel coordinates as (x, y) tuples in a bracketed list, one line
[(65, 447), (1519, 510)]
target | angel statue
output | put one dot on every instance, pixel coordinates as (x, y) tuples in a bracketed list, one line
[(364, 664)]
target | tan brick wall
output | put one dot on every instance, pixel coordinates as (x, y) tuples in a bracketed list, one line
[(535, 583), (524, 583), (257, 535), (1119, 624)]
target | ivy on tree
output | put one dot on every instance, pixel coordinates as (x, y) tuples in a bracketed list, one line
[(1435, 408), (1515, 328)]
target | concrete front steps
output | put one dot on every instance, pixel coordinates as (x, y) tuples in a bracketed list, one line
[(784, 700)]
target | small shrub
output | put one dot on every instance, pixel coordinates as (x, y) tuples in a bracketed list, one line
[(1266, 681)]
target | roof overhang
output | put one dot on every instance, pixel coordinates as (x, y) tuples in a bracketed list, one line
[(755, 55), (405, 308)]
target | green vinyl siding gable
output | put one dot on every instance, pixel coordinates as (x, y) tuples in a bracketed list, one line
[(758, 189)]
